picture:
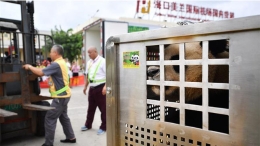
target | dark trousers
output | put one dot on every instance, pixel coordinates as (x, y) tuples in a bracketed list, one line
[(96, 99), (75, 74), (60, 112)]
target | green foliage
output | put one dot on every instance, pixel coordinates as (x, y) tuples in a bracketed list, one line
[(72, 43), (47, 46)]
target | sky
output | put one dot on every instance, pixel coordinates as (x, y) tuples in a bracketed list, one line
[(71, 13)]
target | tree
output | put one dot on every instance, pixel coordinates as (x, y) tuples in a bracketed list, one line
[(47, 45), (72, 43)]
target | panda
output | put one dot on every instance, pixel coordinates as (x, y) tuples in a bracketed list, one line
[(135, 59), (193, 73)]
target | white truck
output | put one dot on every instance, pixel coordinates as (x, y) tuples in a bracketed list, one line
[(97, 30)]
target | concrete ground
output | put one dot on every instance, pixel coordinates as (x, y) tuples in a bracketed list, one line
[(77, 112)]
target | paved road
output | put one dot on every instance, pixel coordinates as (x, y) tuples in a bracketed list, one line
[(77, 113)]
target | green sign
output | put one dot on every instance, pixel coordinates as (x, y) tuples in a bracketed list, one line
[(13, 107), (131, 59), (136, 28)]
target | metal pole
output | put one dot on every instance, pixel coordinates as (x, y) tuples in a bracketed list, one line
[(45, 42), (18, 46), (39, 50), (2, 49), (15, 44), (27, 40), (11, 48)]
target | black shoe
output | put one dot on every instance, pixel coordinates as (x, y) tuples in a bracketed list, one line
[(68, 141), (46, 145)]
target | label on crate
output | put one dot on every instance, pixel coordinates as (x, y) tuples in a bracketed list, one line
[(131, 59)]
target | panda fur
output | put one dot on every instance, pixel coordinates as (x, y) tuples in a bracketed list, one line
[(193, 73)]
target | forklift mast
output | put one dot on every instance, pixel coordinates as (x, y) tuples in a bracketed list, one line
[(26, 26)]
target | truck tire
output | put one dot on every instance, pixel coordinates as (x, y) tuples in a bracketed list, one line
[(40, 115)]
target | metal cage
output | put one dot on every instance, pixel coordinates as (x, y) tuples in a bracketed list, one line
[(133, 119)]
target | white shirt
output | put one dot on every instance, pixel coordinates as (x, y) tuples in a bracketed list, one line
[(69, 72), (68, 65), (101, 71)]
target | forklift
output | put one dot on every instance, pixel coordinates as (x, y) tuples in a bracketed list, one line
[(22, 108)]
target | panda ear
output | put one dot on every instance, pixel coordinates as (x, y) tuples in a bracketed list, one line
[(217, 46)]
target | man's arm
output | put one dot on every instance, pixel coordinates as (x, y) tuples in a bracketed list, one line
[(86, 85), (104, 69), (104, 90), (37, 71)]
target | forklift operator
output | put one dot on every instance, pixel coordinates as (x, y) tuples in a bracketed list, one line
[(60, 92)]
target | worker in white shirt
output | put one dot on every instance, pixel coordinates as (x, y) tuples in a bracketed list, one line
[(96, 79)]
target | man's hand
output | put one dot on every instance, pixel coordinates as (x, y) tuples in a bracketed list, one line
[(104, 90), (84, 90), (37, 71), (86, 86), (27, 66)]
